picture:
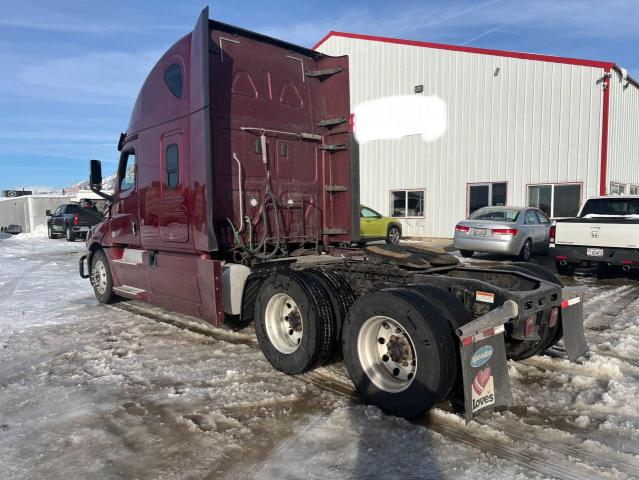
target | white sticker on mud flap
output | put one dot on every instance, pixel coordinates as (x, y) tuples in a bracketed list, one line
[(485, 297), (483, 389)]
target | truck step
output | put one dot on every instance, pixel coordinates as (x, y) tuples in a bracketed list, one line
[(331, 122), (333, 148), (334, 231), (322, 73), (129, 291)]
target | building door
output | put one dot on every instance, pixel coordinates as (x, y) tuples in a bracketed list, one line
[(486, 195)]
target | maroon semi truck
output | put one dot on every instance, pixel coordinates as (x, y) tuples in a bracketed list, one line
[(237, 200)]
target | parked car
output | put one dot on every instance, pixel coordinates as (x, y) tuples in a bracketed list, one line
[(375, 226), (506, 230), (72, 221), (604, 233)]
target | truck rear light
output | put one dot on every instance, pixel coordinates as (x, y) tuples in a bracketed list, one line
[(627, 262), (530, 325), (462, 228), (559, 258), (505, 231), (553, 229), (76, 219), (351, 122), (554, 315)]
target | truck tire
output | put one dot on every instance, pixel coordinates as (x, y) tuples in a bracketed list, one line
[(50, 232), (339, 293), (69, 235), (554, 334), (525, 254), (393, 235), (399, 351), (467, 253), (523, 349), (101, 278), (294, 322)]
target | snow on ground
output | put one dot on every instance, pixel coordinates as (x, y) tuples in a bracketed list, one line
[(131, 391)]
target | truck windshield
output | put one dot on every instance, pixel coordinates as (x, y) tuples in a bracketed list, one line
[(499, 214), (611, 206)]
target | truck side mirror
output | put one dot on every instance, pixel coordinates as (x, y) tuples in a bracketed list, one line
[(95, 177), (48, 213)]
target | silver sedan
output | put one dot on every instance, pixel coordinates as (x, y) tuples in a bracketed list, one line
[(506, 230)]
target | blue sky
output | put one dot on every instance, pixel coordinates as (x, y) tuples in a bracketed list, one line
[(72, 69)]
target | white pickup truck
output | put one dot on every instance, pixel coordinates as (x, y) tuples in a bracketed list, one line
[(604, 233)]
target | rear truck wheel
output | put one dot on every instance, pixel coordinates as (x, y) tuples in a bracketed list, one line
[(399, 351), (393, 235), (565, 269), (339, 293), (523, 349), (467, 253), (70, 236), (554, 332), (294, 322), (101, 278), (526, 251)]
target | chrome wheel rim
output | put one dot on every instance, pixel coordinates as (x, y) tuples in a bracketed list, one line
[(526, 250), (394, 235), (284, 323), (99, 277), (387, 354), (68, 233)]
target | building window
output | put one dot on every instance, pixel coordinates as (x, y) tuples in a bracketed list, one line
[(634, 189), (560, 200), (617, 188), (172, 166), (407, 203), (486, 195), (173, 79)]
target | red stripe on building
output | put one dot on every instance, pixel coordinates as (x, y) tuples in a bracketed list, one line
[(481, 51), (603, 171)]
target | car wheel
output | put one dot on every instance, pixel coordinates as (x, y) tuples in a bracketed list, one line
[(466, 253), (526, 251), (101, 278), (394, 234), (50, 231), (70, 236)]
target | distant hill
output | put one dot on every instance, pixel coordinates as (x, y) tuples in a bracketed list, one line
[(108, 183)]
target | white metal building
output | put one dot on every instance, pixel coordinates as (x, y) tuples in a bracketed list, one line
[(523, 129)]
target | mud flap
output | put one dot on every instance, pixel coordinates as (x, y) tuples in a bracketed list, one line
[(484, 363), (572, 323)]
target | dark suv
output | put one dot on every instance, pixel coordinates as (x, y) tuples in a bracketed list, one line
[(72, 221)]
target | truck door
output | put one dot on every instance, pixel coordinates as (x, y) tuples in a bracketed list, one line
[(125, 225)]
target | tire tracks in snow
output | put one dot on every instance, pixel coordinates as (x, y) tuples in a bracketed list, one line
[(511, 443), (8, 289)]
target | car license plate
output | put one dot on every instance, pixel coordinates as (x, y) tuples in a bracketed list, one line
[(84, 229), (480, 231), (594, 252)]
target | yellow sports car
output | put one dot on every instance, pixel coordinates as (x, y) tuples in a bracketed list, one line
[(374, 226)]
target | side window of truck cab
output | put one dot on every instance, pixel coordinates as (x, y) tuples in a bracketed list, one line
[(126, 171)]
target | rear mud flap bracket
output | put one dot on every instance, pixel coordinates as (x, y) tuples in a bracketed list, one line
[(483, 360), (572, 323)]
